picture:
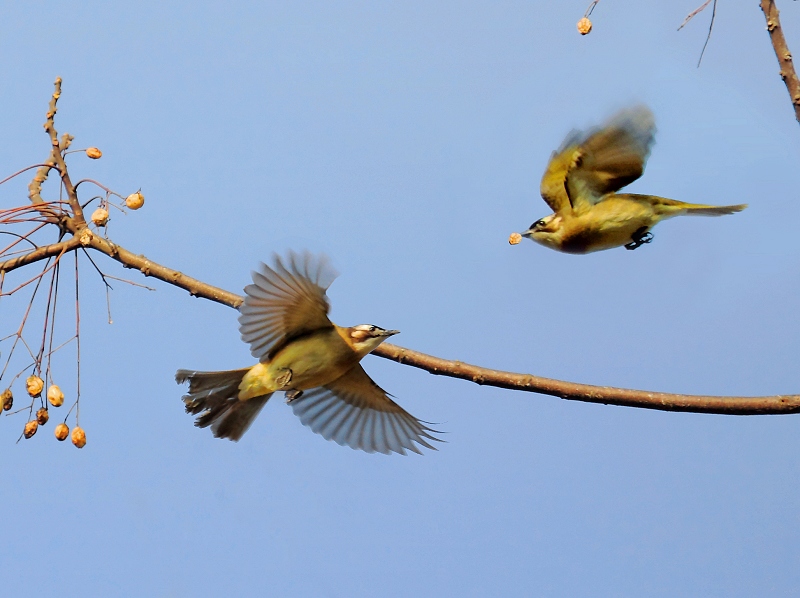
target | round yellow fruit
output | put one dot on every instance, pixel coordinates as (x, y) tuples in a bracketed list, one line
[(34, 385), (78, 437), (62, 431), (55, 396), (7, 399), (30, 428), (135, 200), (100, 217)]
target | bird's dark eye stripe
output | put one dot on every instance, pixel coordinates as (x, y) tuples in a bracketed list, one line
[(372, 328)]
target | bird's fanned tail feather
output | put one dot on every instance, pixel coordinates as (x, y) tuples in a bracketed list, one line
[(215, 397)]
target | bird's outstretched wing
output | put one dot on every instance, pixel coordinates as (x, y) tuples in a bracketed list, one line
[(285, 301), (592, 163), (356, 412)]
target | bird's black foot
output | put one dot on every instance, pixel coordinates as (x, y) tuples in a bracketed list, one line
[(639, 238), (292, 395)]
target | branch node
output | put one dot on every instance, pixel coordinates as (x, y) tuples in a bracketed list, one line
[(86, 237), (66, 140)]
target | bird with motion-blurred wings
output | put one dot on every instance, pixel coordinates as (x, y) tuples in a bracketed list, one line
[(581, 182)]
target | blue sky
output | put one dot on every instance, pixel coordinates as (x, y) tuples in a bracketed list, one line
[(406, 141)]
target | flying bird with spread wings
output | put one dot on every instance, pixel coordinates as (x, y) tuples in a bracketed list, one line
[(581, 182), (284, 318)]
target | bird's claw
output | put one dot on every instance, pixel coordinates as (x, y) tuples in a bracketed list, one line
[(639, 238), (284, 378), (292, 395)]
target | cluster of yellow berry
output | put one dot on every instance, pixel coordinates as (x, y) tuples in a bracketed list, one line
[(133, 202), (35, 385)]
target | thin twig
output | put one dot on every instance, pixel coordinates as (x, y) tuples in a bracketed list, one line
[(61, 346), (78, 342), (710, 29), (101, 185), (694, 13), (47, 167), (47, 319), (57, 276), (18, 334), (590, 9), (105, 282), (41, 274), (130, 282), (20, 238)]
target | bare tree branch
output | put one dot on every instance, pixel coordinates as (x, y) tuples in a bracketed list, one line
[(82, 236), (41, 253), (196, 288), (608, 395), (783, 54), (778, 404), (57, 159)]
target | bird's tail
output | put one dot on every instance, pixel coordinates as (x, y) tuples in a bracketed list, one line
[(702, 210), (673, 207), (215, 397)]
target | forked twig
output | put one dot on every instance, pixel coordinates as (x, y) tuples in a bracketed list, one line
[(694, 13)]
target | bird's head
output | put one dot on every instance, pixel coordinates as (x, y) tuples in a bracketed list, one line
[(364, 338), (546, 231)]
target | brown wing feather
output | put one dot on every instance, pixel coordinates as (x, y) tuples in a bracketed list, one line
[(611, 157), (285, 301), (591, 163), (553, 186)]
